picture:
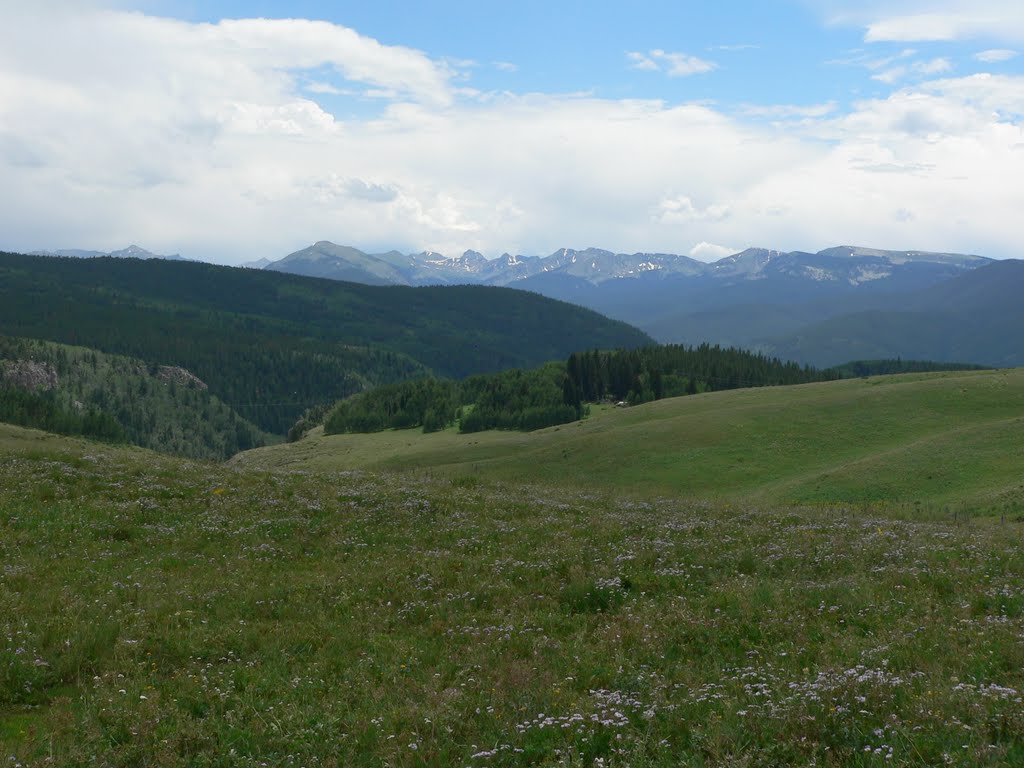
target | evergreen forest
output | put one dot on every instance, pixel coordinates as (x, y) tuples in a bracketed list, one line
[(78, 391), (273, 345)]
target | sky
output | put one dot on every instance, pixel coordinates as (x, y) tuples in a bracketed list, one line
[(230, 131)]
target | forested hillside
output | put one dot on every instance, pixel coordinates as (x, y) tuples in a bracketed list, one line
[(78, 391), (270, 345)]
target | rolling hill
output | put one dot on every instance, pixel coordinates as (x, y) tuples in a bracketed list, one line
[(928, 439)]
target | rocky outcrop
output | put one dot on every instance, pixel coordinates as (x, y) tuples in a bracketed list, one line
[(28, 374), (180, 376)]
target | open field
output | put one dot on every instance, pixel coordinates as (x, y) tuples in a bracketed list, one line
[(917, 443), (156, 611)]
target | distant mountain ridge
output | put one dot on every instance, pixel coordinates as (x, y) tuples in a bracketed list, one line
[(849, 265), (753, 299), (976, 317), (839, 304), (131, 252)]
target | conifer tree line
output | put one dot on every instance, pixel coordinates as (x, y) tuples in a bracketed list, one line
[(558, 393), (512, 400), (650, 373)]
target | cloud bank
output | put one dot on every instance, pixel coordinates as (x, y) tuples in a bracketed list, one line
[(252, 138)]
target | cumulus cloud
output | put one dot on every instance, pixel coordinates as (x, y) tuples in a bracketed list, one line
[(325, 88), (209, 140), (672, 64), (955, 153), (710, 252)]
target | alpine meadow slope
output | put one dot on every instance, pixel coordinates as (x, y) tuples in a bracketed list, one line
[(912, 442), (426, 620)]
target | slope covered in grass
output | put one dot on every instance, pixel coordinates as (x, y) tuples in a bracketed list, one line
[(162, 612), (917, 438)]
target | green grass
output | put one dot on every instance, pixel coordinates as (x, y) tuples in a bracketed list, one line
[(936, 440), (510, 599), (157, 611)]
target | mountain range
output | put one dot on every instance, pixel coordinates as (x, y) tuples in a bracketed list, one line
[(846, 266), (824, 308)]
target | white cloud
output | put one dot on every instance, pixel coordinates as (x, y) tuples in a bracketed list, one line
[(681, 208), (933, 66), (898, 66), (954, 153), (642, 62), (995, 54), (672, 64), (789, 111), (921, 27), (208, 140), (506, 66), (869, 60), (890, 76), (929, 20), (923, 68), (709, 252), (324, 89)]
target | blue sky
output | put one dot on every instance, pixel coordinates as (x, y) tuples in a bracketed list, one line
[(237, 130), (794, 53), (571, 47)]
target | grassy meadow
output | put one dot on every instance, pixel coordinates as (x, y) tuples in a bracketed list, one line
[(304, 607), (915, 443)]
